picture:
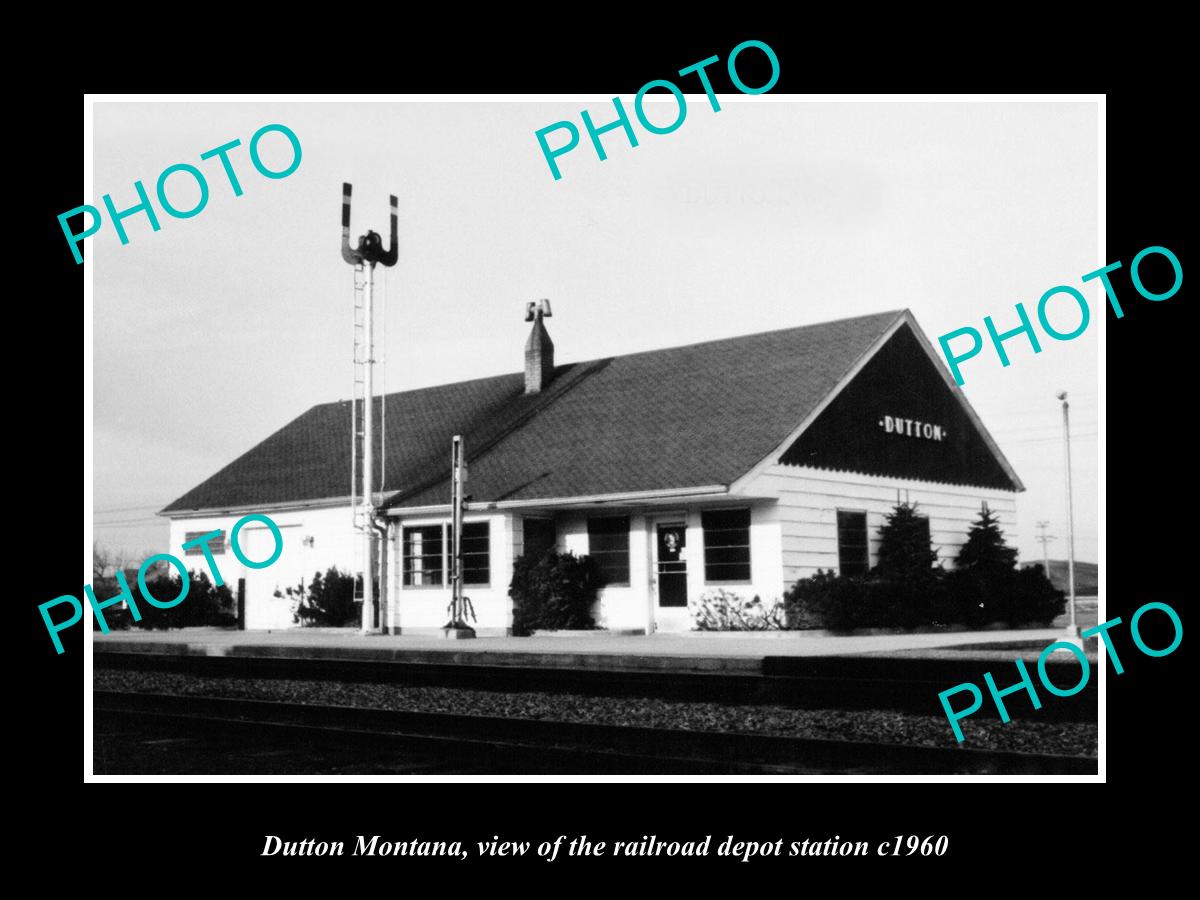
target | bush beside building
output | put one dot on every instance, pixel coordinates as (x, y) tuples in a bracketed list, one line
[(327, 600), (908, 589), (554, 591), (724, 610), (205, 604)]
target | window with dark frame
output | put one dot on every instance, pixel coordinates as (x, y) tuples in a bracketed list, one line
[(423, 565), (476, 553), (608, 544), (540, 536), (216, 546), (853, 553), (726, 545)]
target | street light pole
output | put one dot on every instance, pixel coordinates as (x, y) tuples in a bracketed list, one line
[(1072, 626)]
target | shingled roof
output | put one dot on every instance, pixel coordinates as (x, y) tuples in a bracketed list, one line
[(682, 417)]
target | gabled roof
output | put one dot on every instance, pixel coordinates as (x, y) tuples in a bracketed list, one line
[(683, 417)]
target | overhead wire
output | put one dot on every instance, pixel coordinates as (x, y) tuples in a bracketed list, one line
[(1085, 435), (116, 509)]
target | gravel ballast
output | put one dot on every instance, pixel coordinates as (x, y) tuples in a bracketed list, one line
[(885, 726)]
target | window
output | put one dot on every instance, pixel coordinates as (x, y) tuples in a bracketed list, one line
[(726, 544), (216, 546), (608, 544), (475, 558), (423, 556), (540, 537), (853, 557), (427, 555)]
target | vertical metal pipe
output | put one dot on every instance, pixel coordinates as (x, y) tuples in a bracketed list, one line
[(368, 532), (394, 605), (456, 530), (383, 571), (1073, 627), (353, 444)]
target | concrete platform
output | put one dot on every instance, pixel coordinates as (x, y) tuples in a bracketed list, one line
[(693, 651)]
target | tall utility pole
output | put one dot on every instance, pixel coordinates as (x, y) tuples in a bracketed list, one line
[(364, 258), (1045, 539), (1072, 626)]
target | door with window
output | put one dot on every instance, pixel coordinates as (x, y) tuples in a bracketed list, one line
[(671, 576)]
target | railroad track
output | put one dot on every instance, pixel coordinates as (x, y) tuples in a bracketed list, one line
[(907, 685), (532, 746)]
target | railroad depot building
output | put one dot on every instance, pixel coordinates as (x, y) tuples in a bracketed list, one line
[(744, 464)]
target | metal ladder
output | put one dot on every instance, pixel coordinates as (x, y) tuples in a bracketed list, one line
[(358, 398)]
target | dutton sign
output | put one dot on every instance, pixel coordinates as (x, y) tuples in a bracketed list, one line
[(912, 428)]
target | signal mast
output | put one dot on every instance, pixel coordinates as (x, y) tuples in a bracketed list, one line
[(364, 258)]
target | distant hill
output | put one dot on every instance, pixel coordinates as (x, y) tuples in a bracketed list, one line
[(1086, 575)]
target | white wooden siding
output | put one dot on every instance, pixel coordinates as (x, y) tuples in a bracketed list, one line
[(332, 544), (423, 609), (808, 501)]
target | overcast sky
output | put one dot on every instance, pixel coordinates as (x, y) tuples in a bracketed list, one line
[(217, 330)]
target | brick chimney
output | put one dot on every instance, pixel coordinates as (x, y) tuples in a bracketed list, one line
[(539, 349)]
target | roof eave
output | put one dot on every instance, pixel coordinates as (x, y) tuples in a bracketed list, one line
[(625, 497), (239, 509)]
